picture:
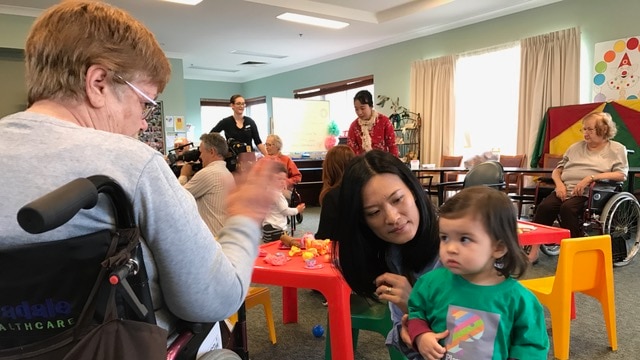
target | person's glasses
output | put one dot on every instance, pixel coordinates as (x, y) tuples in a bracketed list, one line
[(150, 106), (240, 104), (587, 130)]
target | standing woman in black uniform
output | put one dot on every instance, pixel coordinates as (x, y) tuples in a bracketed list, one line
[(239, 127)]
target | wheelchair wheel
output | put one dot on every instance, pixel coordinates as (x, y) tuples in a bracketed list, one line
[(620, 219), (550, 249)]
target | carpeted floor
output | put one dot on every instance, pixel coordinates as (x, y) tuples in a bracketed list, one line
[(588, 332)]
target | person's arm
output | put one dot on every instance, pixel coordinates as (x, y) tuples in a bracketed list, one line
[(198, 185), (294, 174), (263, 149), (220, 126), (353, 139), (390, 137), (529, 339), (255, 135), (206, 280)]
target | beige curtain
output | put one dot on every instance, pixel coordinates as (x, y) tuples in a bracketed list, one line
[(549, 76), (432, 96)]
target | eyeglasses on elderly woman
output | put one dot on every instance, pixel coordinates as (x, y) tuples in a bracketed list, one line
[(150, 106)]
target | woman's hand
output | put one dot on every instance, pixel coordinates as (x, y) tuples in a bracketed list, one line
[(561, 192), (583, 184), (394, 288)]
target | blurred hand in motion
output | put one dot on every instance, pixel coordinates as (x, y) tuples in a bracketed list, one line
[(256, 192)]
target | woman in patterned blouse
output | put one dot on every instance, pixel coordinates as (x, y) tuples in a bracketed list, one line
[(370, 130)]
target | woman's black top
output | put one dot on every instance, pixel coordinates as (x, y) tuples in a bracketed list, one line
[(329, 215), (246, 134)]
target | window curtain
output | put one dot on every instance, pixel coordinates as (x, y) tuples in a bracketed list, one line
[(549, 76), (431, 89)]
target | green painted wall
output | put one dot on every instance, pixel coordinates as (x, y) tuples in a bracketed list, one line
[(598, 20)]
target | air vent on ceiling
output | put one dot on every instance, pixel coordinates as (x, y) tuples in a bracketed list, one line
[(253, 63)]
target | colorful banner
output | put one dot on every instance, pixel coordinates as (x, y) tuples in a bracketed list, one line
[(561, 127)]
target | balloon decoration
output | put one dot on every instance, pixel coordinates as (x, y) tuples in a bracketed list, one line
[(332, 139)]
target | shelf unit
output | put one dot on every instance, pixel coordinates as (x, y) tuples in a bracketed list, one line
[(407, 131)]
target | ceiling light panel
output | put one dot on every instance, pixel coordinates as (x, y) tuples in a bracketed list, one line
[(253, 53), (185, 2), (312, 20)]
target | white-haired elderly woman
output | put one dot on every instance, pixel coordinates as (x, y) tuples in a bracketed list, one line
[(597, 157), (274, 147)]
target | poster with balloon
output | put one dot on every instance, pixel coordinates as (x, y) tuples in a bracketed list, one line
[(616, 72)]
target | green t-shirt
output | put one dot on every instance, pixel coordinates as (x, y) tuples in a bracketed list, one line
[(485, 322)]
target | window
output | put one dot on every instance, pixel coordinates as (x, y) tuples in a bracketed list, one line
[(486, 93), (214, 110), (340, 96)]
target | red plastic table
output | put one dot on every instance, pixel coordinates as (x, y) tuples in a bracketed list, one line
[(542, 234), (328, 280)]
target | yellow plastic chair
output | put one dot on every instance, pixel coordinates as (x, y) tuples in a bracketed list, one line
[(585, 265), (259, 296)]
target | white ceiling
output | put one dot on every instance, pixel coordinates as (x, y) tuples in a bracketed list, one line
[(206, 34)]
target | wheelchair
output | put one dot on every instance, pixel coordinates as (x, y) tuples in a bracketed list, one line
[(63, 291), (293, 202), (608, 210)]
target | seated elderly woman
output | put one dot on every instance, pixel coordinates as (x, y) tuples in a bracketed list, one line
[(274, 146), (597, 157)]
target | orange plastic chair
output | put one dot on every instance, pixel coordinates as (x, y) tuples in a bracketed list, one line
[(259, 296), (585, 265)]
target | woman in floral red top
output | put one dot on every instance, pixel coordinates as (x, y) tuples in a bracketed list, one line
[(370, 130)]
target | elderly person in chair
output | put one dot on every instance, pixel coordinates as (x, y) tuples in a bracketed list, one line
[(274, 148), (597, 157), (93, 73)]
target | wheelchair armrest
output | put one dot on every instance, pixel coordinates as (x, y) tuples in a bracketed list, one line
[(545, 180), (194, 327), (606, 184)]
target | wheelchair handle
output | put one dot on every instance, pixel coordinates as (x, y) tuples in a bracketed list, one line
[(57, 207)]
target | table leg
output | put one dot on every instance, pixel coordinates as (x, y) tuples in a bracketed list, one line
[(339, 310), (289, 305)]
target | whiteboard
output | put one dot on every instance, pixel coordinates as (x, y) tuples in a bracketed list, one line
[(302, 124)]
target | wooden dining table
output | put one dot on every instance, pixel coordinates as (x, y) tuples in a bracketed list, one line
[(442, 171)]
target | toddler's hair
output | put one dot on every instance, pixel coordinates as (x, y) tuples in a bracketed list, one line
[(498, 216), (279, 167)]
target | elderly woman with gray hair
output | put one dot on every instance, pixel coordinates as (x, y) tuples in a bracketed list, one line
[(274, 147), (597, 157)]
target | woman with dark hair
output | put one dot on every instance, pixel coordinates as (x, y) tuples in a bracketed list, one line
[(386, 232), (332, 170), (370, 130), (239, 127)]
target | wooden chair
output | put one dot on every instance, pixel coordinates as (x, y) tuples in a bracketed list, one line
[(528, 194), (513, 181), (449, 176), (585, 265)]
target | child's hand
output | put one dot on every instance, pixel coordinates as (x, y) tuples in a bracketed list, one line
[(300, 207), (429, 347)]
